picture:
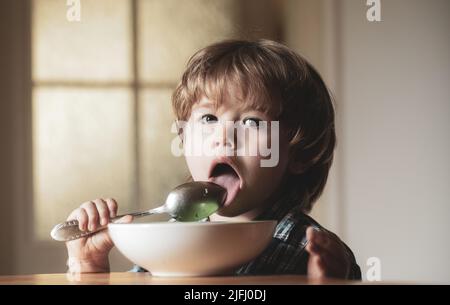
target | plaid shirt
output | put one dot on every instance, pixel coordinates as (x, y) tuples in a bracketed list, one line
[(286, 253)]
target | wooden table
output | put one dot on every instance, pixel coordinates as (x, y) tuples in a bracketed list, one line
[(141, 278)]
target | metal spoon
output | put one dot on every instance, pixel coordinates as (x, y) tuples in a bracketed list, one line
[(192, 201)]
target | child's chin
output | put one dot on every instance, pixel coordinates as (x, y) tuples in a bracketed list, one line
[(233, 209), (228, 211)]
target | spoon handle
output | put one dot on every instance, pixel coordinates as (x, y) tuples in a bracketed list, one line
[(69, 230)]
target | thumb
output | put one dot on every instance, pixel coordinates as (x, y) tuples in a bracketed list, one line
[(102, 240), (125, 219)]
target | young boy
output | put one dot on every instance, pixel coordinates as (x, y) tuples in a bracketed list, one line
[(273, 96)]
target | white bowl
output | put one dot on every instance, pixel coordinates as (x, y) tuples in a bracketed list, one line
[(191, 248)]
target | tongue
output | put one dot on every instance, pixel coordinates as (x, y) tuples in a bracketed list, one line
[(230, 182)]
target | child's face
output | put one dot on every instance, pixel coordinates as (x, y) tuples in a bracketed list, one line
[(209, 132)]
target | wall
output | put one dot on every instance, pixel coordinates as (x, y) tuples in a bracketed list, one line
[(6, 152), (14, 91), (395, 116), (388, 193)]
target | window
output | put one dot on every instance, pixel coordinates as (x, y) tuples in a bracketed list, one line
[(101, 98)]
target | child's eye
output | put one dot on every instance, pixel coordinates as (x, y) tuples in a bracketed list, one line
[(251, 122), (208, 119)]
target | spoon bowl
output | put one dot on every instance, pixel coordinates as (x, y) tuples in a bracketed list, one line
[(194, 201)]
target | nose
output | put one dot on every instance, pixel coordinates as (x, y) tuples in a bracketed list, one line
[(224, 135)]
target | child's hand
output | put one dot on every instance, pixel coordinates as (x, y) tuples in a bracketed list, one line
[(90, 253), (328, 255)]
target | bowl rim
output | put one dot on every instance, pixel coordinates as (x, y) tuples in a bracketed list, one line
[(192, 224)]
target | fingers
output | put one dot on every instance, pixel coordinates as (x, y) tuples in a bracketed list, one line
[(93, 214), (316, 267), (81, 216), (125, 219), (328, 255), (103, 211), (324, 264), (323, 241), (327, 247), (112, 206)]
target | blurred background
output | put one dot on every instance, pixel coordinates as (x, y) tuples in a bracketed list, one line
[(85, 113)]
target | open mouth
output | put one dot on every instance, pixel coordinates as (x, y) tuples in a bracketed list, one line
[(224, 174)]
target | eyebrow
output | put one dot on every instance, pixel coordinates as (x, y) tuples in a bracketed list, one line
[(208, 105)]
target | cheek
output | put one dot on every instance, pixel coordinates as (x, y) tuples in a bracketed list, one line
[(247, 142), (260, 141), (270, 144), (198, 167), (260, 175), (197, 138), (267, 176)]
